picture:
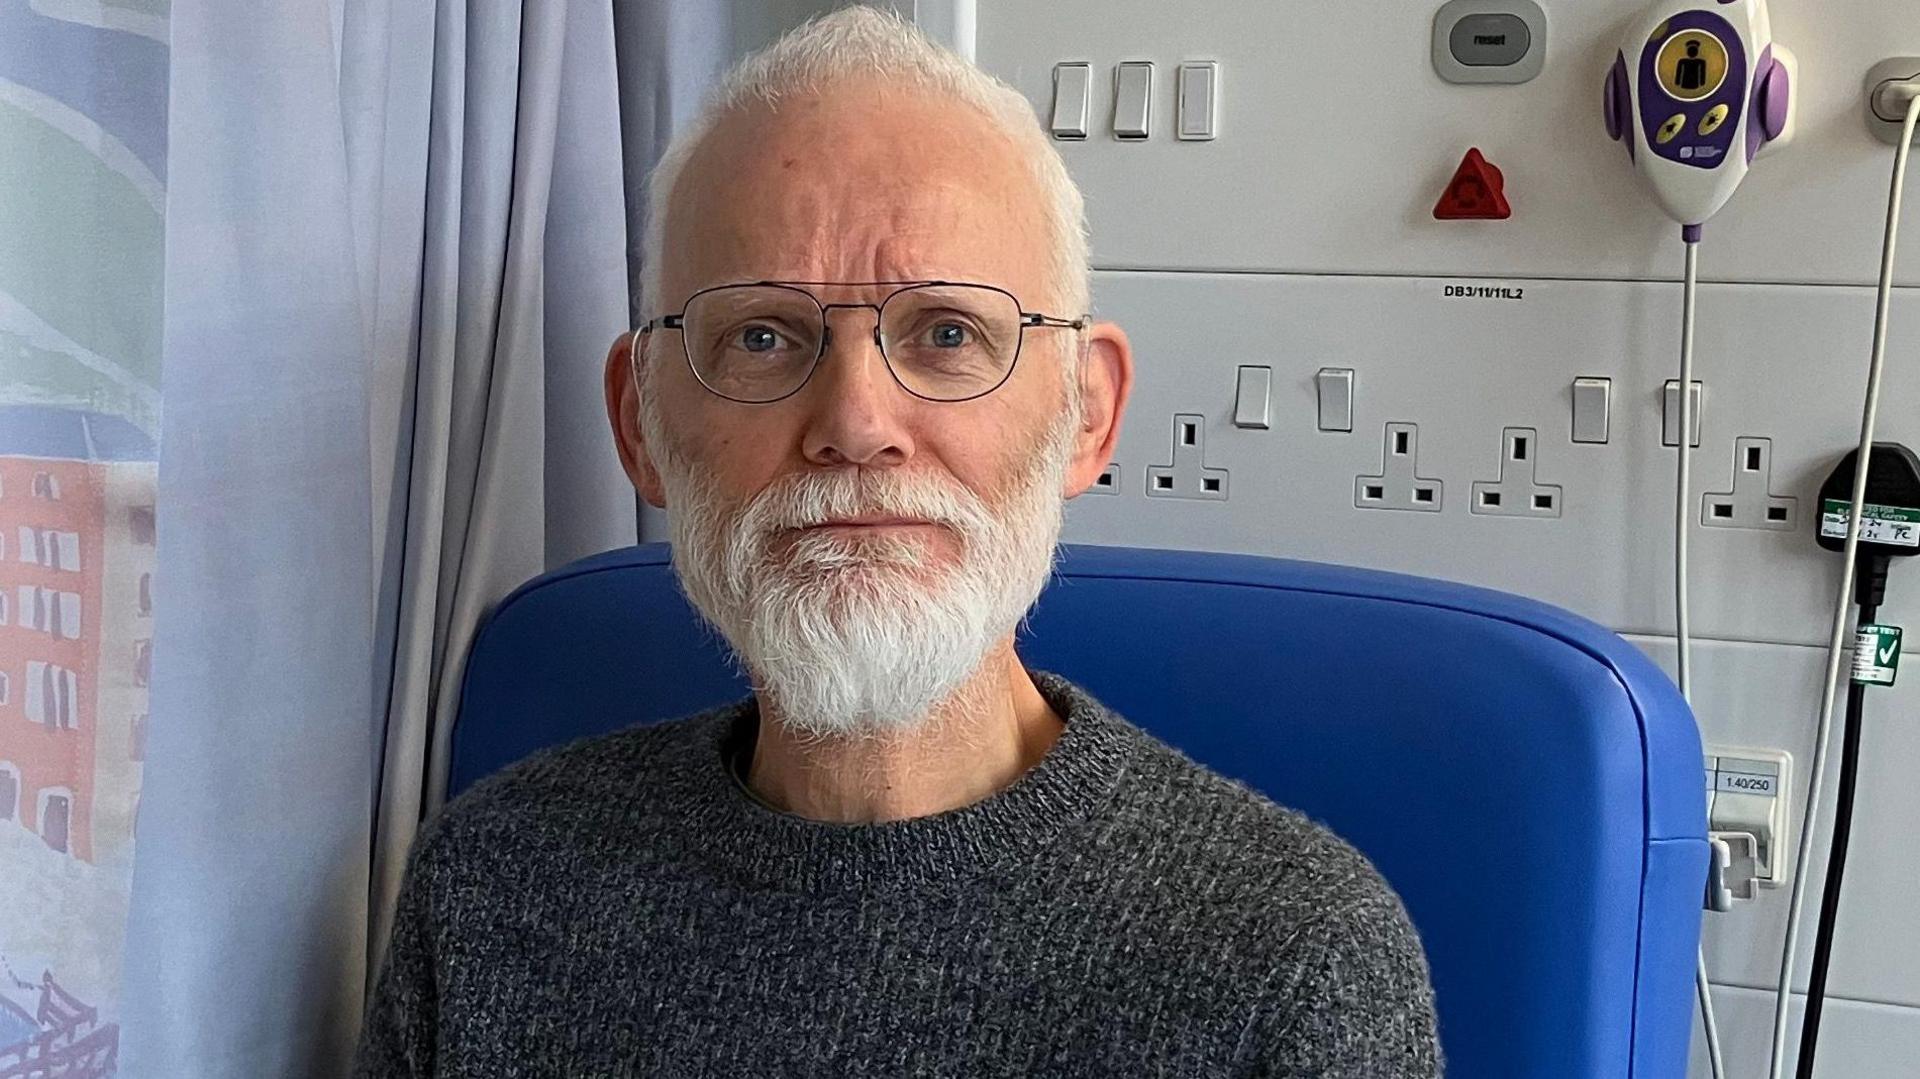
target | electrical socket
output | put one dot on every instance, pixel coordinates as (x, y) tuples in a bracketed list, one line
[(1188, 476), (1886, 108), (1106, 483), (1751, 503), (1399, 486), (1515, 493)]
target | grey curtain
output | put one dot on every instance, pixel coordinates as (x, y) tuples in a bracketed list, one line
[(533, 220), (246, 935), (669, 54), (397, 249), (469, 498)]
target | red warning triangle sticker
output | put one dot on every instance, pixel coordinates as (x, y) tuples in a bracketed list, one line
[(1475, 192)]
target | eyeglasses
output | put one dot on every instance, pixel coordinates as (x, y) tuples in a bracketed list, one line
[(942, 340)]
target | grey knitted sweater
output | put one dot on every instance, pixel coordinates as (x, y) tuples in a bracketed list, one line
[(622, 906)]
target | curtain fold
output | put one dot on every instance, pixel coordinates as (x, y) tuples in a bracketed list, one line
[(478, 402)]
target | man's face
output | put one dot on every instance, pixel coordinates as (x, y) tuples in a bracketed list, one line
[(881, 541)]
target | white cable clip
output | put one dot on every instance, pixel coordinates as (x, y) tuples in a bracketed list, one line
[(1731, 873)]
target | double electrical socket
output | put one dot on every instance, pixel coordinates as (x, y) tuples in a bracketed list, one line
[(1399, 486)]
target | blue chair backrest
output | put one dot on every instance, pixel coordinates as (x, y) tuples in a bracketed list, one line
[(1527, 781)]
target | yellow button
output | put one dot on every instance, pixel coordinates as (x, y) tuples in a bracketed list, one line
[(1711, 122), (1672, 127), (1691, 65)]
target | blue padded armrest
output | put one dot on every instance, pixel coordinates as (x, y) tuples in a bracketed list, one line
[(1527, 781)]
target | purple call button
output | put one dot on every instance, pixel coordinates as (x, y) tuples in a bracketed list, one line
[(1686, 143)]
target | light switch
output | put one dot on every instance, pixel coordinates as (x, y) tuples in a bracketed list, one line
[(1199, 83), (1132, 99), (1251, 398), (1670, 413), (1335, 386), (1592, 409), (1072, 84)]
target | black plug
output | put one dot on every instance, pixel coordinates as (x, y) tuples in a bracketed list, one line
[(1889, 529), (1890, 523)]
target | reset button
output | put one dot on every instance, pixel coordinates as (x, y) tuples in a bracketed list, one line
[(1498, 40)]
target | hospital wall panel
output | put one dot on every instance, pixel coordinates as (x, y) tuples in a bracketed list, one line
[(1858, 1039), (1779, 363), (1336, 135), (1766, 695)]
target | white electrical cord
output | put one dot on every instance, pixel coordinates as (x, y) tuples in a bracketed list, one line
[(1715, 1062), (1843, 605), (1683, 613)]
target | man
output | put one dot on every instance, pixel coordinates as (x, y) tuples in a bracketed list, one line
[(906, 855)]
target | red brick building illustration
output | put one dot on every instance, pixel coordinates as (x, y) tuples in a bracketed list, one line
[(76, 601)]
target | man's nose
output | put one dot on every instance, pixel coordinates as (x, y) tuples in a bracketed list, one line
[(855, 408)]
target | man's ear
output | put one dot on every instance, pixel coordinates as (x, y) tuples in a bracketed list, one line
[(623, 411), (1106, 380)]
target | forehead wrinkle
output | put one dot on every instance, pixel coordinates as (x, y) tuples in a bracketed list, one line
[(924, 234)]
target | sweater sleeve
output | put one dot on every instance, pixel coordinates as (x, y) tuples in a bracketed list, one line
[(1351, 997), (398, 1039)]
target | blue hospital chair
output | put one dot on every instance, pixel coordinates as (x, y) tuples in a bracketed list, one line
[(1527, 781)]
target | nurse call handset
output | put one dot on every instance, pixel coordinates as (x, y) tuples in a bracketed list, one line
[(1699, 88)]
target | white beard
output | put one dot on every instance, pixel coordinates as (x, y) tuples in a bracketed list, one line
[(853, 636)]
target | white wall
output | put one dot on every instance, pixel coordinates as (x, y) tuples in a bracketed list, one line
[(1302, 238)]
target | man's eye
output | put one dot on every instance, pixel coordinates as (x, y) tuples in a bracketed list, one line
[(759, 339), (949, 335)]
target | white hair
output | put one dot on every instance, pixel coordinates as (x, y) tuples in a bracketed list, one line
[(865, 637), (862, 41)]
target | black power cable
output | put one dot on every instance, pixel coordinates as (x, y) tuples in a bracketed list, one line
[(1893, 484), (1871, 584)]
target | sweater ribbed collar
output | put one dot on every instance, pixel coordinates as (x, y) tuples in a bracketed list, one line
[(766, 847)]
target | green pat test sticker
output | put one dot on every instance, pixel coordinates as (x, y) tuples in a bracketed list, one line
[(1895, 525), (1876, 655)]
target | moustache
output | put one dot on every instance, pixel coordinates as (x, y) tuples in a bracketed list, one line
[(810, 499)]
